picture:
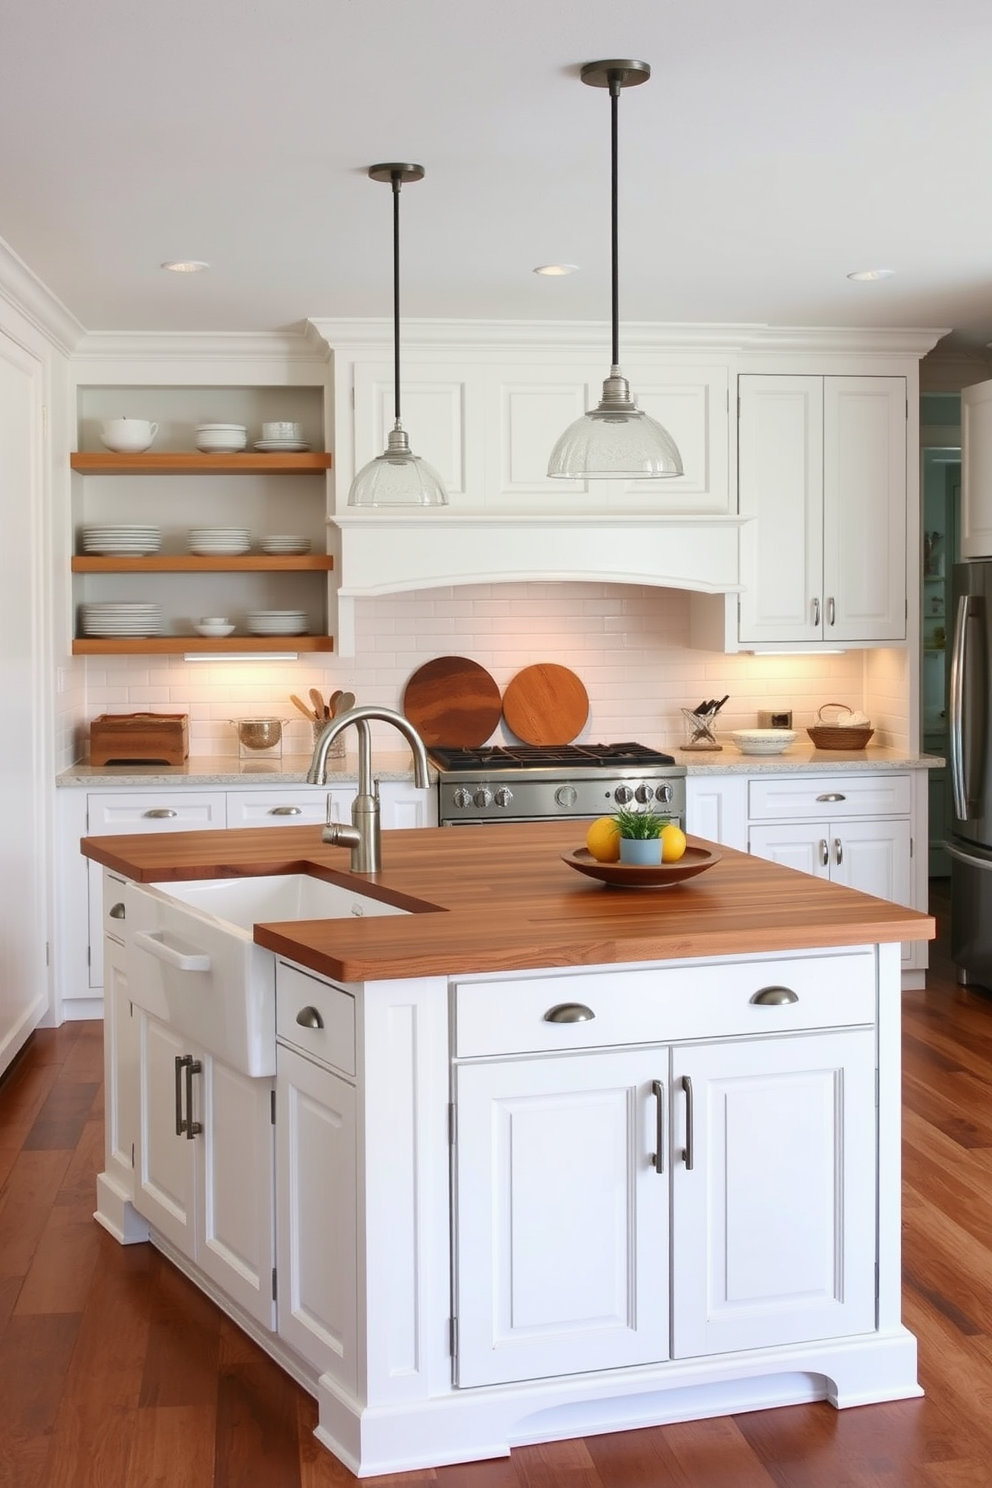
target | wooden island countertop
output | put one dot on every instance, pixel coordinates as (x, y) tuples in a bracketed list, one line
[(500, 898)]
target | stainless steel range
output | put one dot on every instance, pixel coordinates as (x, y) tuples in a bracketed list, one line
[(531, 783)]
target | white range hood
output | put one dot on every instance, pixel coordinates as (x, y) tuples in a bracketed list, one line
[(379, 552)]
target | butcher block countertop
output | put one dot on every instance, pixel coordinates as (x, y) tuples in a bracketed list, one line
[(499, 898)]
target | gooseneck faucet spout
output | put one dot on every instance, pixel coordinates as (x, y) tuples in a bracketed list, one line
[(364, 834)]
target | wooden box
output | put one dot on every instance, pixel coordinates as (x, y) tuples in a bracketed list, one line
[(163, 737)]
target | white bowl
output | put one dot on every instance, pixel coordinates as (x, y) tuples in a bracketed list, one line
[(204, 629), (763, 741)]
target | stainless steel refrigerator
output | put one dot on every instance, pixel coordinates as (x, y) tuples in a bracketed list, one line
[(970, 750)]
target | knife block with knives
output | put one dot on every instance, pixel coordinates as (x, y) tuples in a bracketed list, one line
[(699, 724)]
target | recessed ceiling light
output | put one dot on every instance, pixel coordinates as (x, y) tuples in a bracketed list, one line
[(186, 266), (865, 276), (554, 270)]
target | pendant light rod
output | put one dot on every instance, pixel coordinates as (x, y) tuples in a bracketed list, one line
[(615, 75), (396, 173)]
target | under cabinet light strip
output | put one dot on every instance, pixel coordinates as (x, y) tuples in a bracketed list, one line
[(241, 656)]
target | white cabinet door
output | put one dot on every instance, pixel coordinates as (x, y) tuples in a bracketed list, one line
[(561, 1217), (976, 471), (774, 1234), (864, 509), (822, 471), (804, 846), (780, 475), (716, 808), (404, 806), (120, 1060), (210, 1192), (317, 1215), (872, 856)]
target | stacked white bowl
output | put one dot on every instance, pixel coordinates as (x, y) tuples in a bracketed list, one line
[(277, 622), (221, 439), (219, 542)]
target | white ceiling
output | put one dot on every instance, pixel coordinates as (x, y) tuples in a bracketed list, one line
[(779, 145)]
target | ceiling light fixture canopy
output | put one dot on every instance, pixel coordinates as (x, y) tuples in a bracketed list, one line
[(397, 477), (615, 440)]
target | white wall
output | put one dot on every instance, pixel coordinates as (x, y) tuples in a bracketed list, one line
[(628, 644)]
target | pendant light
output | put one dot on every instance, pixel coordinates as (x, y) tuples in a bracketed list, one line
[(615, 440), (397, 477)]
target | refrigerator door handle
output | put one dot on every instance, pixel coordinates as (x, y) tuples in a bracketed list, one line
[(963, 857), (964, 800)]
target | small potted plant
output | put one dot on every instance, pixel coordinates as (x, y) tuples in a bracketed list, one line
[(640, 835)]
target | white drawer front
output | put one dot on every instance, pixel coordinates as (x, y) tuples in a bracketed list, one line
[(664, 1005), (300, 996), (165, 811), (287, 808), (827, 796)]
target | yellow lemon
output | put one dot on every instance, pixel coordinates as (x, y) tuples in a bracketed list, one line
[(603, 840), (672, 843)]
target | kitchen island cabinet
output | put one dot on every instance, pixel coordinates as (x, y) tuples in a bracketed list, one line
[(459, 1108)]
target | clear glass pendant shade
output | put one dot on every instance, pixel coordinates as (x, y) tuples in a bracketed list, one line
[(397, 478), (615, 440)]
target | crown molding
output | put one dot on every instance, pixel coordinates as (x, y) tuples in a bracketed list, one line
[(24, 292), (655, 336), (208, 346)]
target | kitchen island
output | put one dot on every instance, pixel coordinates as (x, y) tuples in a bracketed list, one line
[(549, 1158)]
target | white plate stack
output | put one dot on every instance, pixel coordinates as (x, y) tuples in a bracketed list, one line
[(221, 439), (287, 446), (111, 619), (277, 622), (219, 542), (131, 540), (284, 546)]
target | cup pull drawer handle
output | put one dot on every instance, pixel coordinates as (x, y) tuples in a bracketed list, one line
[(569, 1012), (116, 911), (162, 952), (286, 811), (831, 796), (160, 812), (309, 1017), (774, 997)]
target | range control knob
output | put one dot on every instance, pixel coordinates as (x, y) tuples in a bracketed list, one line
[(663, 792), (503, 796), (461, 797), (623, 795), (482, 797), (644, 793), (566, 795)]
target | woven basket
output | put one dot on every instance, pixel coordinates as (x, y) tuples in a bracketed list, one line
[(834, 735)]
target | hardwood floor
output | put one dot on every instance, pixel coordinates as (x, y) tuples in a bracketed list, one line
[(116, 1373)]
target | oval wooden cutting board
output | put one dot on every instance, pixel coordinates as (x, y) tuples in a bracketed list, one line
[(452, 702), (546, 704)]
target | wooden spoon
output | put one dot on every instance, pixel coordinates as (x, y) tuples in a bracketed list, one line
[(332, 702), (345, 701), (317, 698), (298, 703)]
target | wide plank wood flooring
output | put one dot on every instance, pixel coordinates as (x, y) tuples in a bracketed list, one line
[(116, 1373)]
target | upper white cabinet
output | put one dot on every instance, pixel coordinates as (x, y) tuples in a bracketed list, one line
[(822, 473), (488, 426), (976, 471)]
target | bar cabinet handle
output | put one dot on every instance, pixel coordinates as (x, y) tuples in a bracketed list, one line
[(838, 850), (774, 997), (193, 1067), (831, 611), (658, 1157), (824, 853), (180, 1063), (569, 1012), (309, 1017), (689, 1115), (816, 614)]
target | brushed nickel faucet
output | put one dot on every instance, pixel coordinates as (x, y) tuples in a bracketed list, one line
[(364, 836)]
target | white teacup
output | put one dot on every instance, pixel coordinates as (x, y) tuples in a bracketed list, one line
[(282, 431), (127, 435)]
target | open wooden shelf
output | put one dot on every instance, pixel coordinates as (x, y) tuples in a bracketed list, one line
[(179, 645), (192, 462), (197, 563)]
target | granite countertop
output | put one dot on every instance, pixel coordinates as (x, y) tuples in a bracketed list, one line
[(229, 771), (803, 759)]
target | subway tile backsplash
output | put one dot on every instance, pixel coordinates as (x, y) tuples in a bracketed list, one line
[(629, 645)]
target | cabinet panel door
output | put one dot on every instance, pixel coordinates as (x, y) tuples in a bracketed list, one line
[(165, 1190), (317, 1208), (802, 845), (864, 506), (780, 478), (528, 409), (561, 1227), (976, 471), (440, 412), (716, 808), (873, 856), (236, 1234), (774, 1225), (120, 1033), (693, 404)]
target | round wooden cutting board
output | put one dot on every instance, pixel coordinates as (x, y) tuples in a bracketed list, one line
[(452, 702), (546, 704)]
